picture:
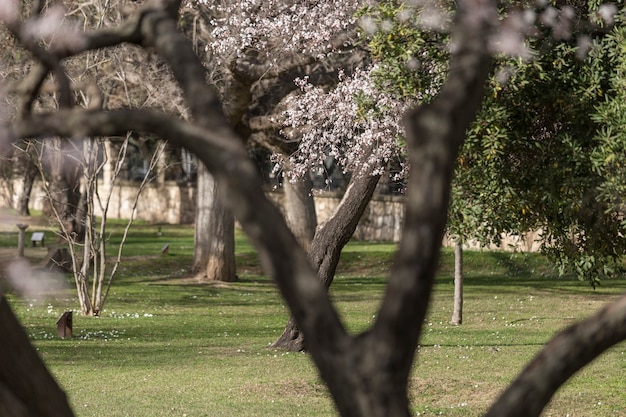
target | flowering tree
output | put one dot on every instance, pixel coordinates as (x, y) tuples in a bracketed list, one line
[(254, 84), (497, 188), (367, 374), (242, 41)]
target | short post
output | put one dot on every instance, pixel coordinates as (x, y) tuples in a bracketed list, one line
[(64, 325), (21, 239)]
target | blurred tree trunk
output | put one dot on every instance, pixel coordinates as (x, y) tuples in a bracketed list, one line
[(26, 386), (30, 173), (214, 241), (63, 174)]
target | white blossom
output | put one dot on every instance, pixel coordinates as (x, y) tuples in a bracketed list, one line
[(354, 123), (9, 11), (276, 26), (607, 12), (53, 28)]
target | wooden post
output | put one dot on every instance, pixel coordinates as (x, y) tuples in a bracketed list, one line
[(21, 239), (64, 325)]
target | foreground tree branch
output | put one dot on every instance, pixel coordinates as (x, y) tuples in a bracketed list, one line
[(567, 353), (435, 133), (26, 386)]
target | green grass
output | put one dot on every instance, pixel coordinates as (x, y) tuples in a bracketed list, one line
[(167, 346)]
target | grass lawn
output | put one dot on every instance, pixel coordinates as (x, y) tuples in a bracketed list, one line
[(168, 346)]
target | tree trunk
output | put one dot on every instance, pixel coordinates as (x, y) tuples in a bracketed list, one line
[(329, 240), (26, 386), (63, 191), (457, 313), (23, 201), (300, 210), (214, 242)]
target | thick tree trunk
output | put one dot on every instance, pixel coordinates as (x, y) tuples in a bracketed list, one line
[(26, 386), (300, 210), (214, 242), (329, 240), (457, 312)]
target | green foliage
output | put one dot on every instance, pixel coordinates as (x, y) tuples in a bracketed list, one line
[(411, 62), (546, 151), (482, 200), (537, 134), (610, 152)]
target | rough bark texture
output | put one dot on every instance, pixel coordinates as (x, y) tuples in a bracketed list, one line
[(26, 386), (214, 239), (457, 312), (300, 210), (329, 240)]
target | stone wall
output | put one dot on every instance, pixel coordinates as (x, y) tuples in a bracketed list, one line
[(381, 221), (174, 203), (168, 202), (165, 203)]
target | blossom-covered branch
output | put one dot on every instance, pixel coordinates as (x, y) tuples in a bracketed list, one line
[(356, 124)]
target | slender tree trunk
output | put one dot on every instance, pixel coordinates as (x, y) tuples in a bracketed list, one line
[(329, 240), (23, 201), (300, 210), (457, 313), (214, 242)]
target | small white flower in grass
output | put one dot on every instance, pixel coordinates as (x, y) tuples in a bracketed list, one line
[(607, 12)]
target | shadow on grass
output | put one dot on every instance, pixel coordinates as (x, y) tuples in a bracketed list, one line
[(485, 345), (513, 269)]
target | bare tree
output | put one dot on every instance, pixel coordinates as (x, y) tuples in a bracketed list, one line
[(92, 273), (367, 374)]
